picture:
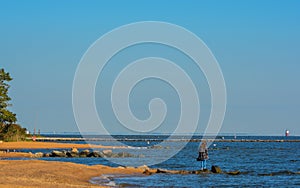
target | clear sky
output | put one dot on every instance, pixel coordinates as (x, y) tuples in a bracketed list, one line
[(256, 43)]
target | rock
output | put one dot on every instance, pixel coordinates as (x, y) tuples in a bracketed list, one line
[(156, 147), (161, 171), (46, 155), (107, 153), (205, 170), (174, 171), (101, 154), (147, 172), (114, 155), (200, 171), (122, 155), (38, 155), (216, 169), (74, 150), (144, 167), (72, 154), (197, 172), (237, 172), (84, 153), (57, 154), (94, 154)]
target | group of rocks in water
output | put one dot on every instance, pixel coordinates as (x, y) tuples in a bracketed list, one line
[(85, 153), (214, 169)]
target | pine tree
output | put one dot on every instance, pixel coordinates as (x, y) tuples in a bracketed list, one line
[(8, 130), (6, 116)]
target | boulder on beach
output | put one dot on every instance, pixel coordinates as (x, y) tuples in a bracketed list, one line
[(38, 154), (122, 155), (95, 154), (72, 154), (55, 153), (107, 153), (216, 169), (74, 150), (84, 153)]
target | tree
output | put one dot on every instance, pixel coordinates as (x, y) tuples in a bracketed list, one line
[(8, 130), (6, 116), (12, 132)]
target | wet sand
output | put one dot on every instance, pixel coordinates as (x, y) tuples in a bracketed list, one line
[(49, 145), (36, 173)]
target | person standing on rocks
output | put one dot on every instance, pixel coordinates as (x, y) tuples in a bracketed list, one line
[(203, 154)]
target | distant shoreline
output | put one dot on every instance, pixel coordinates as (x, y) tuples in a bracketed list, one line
[(71, 139)]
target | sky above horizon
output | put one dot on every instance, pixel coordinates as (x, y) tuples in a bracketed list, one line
[(256, 44)]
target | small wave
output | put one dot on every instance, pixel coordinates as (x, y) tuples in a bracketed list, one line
[(132, 147), (108, 180), (103, 180)]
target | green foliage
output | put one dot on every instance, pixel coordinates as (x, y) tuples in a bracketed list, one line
[(12, 132), (6, 116), (8, 130)]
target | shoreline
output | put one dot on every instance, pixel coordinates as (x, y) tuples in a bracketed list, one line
[(54, 139), (51, 145), (37, 173)]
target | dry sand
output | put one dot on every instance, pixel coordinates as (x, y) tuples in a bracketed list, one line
[(49, 145), (15, 155), (36, 173)]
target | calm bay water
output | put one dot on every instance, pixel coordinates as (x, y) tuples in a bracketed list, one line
[(256, 161)]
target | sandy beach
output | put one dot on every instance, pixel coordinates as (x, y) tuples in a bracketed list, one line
[(36, 173)]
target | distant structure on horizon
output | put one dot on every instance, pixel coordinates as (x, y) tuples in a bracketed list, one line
[(287, 132)]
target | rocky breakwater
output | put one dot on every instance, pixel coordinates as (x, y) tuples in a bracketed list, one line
[(74, 152), (214, 170)]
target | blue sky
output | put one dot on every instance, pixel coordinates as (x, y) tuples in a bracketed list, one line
[(256, 43)]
